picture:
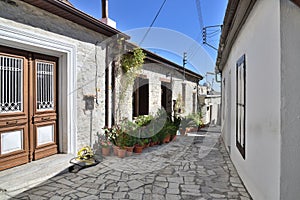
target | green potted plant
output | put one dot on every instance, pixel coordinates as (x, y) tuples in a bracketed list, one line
[(139, 145), (185, 123), (129, 144)]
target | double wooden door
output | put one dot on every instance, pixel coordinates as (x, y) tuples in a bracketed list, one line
[(27, 107)]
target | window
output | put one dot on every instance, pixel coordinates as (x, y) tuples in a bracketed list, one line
[(241, 104), (140, 97)]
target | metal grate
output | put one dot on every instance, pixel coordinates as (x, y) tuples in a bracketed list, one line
[(11, 84), (44, 86)]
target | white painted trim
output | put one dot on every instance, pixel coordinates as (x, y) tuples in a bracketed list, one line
[(29, 41)]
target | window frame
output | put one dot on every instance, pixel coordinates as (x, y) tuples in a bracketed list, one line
[(241, 105)]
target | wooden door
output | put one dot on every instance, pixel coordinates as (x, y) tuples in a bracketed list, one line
[(43, 113), (27, 107)]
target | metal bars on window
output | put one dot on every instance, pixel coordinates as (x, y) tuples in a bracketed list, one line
[(45, 85), (11, 84), (241, 105)]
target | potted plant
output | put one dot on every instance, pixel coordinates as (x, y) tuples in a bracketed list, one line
[(138, 147), (146, 143), (121, 142), (112, 135), (129, 145), (184, 125), (105, 147)]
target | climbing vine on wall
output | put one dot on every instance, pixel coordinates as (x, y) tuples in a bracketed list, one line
[(131, 64)]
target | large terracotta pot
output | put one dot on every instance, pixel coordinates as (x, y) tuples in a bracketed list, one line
[(105, 151), (121, 153), (138, 149)]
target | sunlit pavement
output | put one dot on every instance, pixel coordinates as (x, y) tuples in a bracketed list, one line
[(196, 166)]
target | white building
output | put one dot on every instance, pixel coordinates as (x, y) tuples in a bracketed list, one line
[(259, 62)]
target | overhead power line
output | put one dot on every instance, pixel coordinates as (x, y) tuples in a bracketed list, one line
[(200, 17), (153, 21)]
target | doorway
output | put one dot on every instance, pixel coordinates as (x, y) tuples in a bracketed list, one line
[(28, 107), (166, 97), (140, 97)]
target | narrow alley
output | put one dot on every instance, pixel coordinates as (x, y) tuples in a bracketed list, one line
[(192, 167)]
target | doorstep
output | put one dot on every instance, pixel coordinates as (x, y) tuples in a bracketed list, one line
[(18, 179)]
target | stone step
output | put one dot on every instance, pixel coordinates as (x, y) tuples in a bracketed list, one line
[(18, 179)]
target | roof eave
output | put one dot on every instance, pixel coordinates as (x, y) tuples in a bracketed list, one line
[(156, 58), (237, 12)]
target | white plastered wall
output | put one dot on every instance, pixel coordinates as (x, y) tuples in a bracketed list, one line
[(290, 101), (259, 41)]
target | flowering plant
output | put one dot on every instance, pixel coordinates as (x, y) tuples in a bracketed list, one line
[(112, 133), (105, 143)]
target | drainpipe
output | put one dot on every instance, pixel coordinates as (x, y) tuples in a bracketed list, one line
[(198, 96)]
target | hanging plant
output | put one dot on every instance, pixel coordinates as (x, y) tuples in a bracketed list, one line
[(133, 60)]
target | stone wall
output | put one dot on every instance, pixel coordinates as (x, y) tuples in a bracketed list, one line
[(156, 74)]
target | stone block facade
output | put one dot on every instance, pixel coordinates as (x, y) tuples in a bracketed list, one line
[(84, 70)]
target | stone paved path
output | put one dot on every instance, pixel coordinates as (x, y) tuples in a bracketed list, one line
[(192, 167)]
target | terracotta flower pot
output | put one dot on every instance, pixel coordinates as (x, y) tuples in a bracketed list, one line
[(138, 149), (121, 153), (105, 151), (129, 151), (167, 139), (115, 148)]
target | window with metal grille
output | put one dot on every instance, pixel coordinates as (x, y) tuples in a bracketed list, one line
[(44, 86), (241, 105), (11, 84)]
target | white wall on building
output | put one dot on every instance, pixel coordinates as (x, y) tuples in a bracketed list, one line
[(290, 98), (258, 40), (213, 109)]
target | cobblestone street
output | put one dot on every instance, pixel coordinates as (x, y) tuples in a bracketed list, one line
[(193, 167)]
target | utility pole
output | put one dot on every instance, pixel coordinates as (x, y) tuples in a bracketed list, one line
[(184, 61)]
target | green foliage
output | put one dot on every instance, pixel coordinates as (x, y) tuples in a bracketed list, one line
[(132, 61), (186, 122), (197, 118), (131, 64), (143, 120)]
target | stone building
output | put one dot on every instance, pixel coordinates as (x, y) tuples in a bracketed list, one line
[(160, 85), (56, 80)]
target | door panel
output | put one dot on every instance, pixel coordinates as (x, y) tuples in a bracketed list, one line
[(14, 147), (44, 112)]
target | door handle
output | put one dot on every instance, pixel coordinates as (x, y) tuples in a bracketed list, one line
[(12, 123)]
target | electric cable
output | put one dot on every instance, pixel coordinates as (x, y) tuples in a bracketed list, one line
[(153, 21)]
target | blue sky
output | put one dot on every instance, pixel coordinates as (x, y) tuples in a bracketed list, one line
[(180, 16)]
